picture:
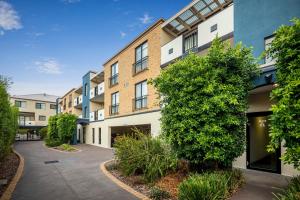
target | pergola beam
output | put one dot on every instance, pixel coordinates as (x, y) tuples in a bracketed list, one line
[(183, 23), (195, 12)]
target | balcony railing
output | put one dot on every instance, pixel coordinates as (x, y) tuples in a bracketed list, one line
[(114, 109), (140, 65), (114, 80), (97, 91), (140, 103), (97, 115), (78, 100)]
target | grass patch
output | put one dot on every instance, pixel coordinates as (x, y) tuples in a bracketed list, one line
[(292, 192), (210, 185)]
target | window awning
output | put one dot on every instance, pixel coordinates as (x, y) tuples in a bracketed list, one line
[(194, 13)]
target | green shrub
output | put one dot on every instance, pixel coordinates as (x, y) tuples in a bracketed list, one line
[(8, 120), (66, 125), (285, 126), (43, 132), (292, 192), (210, 185), (144, 155), (204, 103), (52, 133), (67, 147), (52, 142), (158, 194)]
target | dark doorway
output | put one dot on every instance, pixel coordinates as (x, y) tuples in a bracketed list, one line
[(79, 136), (257, 140), (83, 134)]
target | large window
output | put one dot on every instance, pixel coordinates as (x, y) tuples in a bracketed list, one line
[(190, 42), (140, 100), (99, 136), (20, 104), (42, 118), (53, 106), (114, 109), (70, 101), (114, 74), (40, 105), (141, 58), (268, 42), (85, 113)]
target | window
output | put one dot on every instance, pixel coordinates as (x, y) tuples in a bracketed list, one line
[(70, 101), (99, 136), (114, 74), (141, 58), (20, 104), (213, 28), (114, 103), (171, 51), (53, 106), (268, 42), (42, 118), (93, 135), (190, 42), (85, 89), (141, 92), (40, 105), (85, 112)]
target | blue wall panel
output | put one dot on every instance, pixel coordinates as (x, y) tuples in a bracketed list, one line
[(256, 19), (86, 99)]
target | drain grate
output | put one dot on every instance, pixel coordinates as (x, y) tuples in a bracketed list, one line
[(51, 161)]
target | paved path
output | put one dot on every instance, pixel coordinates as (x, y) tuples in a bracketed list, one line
[(76, 176), (260, 185)]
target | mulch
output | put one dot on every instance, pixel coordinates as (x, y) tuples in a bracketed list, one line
[(8, 169)]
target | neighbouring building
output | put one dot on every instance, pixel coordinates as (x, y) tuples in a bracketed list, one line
[(34, 112)]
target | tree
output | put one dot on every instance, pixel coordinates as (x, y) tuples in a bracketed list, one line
[(8, 119), (66, 125), (285, 120), (204, 103)]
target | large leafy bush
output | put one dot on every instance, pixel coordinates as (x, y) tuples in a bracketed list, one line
[(144, 155), (204, 103), (8, 120), (211, 185), (285, 120)]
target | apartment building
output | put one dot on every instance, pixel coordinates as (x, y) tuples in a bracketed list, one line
[(34, 112), (130, 102), (66, 104)]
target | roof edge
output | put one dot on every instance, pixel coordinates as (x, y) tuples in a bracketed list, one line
[(158, 22)]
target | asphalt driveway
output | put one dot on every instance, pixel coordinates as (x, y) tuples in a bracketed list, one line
[(75, 176)]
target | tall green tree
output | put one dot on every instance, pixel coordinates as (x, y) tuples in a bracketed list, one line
[(285, 120), (204, 103), (8, 119)]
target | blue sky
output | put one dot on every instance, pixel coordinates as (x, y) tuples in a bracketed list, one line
[(47, 45)]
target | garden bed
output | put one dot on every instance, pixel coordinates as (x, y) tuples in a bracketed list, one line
[(167, 187), (66, 148), (8, 169)]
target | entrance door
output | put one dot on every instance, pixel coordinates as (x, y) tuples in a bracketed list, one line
[(257, 140), (83, 134)]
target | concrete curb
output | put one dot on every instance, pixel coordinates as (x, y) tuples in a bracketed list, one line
[(12, 185), (50, 148), (120, 183)]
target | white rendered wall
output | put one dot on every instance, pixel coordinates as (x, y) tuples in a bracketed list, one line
[(224, 21), (176, 45)]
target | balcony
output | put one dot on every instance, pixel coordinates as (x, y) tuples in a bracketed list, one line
[(78, 102), (97, 93), (140, 66), (219, 23), (114, 109), (140, 103), (26, 123), (113, 80), (97, 115)]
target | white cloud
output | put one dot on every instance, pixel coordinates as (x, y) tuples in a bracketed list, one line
[(123, 34), (9, 18), (146, 19), (48, 66), (71, 1)]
